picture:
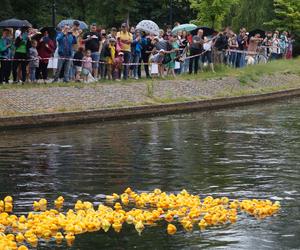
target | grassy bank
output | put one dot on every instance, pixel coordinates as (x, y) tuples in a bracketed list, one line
[(33, 99), (250, 74)]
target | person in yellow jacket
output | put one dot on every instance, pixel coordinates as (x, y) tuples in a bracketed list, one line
[(124, 38)]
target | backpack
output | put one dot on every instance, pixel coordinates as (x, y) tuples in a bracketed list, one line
[(107, 52)]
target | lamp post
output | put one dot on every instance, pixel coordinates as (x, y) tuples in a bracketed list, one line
[(171, 12), (54, 13)]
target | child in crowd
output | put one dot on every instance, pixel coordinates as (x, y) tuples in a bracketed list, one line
[(34, 61), (110, 53), (117, 68), (87, 65), (158, 59), (78, 57)]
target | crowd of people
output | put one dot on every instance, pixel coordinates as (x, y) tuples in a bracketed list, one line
[(115, 54)]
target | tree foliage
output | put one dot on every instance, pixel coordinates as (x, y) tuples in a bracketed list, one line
[(287, 15), (252, 14), (212, 12)]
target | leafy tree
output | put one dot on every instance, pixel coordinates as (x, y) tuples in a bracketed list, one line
[(6, 10), (250, 14), (212, 12), (287, 15)]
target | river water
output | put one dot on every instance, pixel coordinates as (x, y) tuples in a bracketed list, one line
[(247, 152)]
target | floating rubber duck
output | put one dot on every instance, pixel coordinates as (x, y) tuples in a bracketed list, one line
[(22, 247), (139, 227), (171, 229), (20, 238), (59, 202), (59, 237)]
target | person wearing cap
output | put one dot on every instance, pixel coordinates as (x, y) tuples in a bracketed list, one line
[(117, 67), (125, 39), (92, 40), (5, 53)]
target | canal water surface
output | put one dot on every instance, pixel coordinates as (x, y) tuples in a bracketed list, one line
[(247, 152)]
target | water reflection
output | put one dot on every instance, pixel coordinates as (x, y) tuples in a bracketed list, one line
[(246, 152)]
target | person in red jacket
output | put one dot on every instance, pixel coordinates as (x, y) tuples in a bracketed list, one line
[(45, 48)]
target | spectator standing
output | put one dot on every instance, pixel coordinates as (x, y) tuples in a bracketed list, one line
[(22, 45), (110, 54), (76, 31), (161, 46), (242, 40), (78, 57), (283, 43), (158, 58), (5, 53), (34, 61), (147, 48), (233, 45), (125, 39), (65, 40), (275, 49), (92, 42), (196, 48), (289, 54), (103, 48), (174, 49), (207, 54), (221, 44), (183, 46), (118, 66), (267, 42), (136, 53), (45, 48), (87, 65), (253, 45)]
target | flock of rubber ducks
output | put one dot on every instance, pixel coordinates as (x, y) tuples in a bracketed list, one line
[(137, 209)]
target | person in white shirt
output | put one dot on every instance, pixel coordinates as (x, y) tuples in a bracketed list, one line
[(207, 54)]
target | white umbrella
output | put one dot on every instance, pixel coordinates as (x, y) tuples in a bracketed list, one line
[(148, 26)]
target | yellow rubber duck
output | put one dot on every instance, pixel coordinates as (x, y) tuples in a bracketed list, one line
[(22, 247), (139, 227), (8, 199), (59, 237), (8, 207), (171, 229), (20, 238), (117, 226)]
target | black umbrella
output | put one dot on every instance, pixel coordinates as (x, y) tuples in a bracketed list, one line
[(257, 31), (206, 31), (14, 23)]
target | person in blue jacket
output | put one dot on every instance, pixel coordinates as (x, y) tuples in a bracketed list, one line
[(136, 52), (65, 41)]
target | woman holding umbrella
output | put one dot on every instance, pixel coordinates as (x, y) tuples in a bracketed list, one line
[(45, 48)]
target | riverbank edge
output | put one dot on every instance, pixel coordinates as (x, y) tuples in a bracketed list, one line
[(89, 116)]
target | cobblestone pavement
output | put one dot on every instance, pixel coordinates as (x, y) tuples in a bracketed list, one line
[(25, 101)]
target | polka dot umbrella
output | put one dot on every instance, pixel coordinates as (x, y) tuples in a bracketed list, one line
[(148, 26)]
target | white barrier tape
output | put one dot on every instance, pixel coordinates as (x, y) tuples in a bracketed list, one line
[(125, 64)]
